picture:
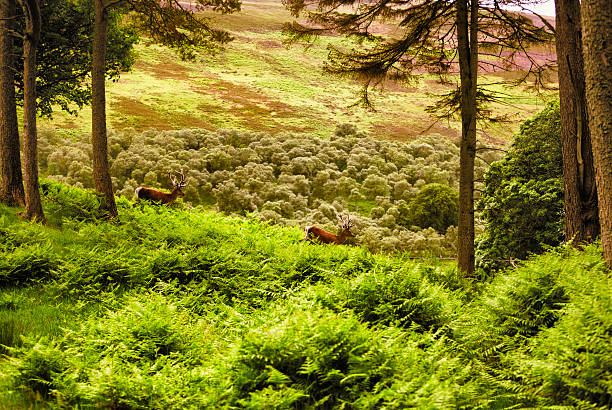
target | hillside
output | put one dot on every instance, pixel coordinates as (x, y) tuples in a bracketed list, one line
[(260, 130), (176, 309), (258, 84)]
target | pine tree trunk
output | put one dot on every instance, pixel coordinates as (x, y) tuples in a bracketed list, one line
[(581, 213), (468, 69), (597, 35), (33, 204), (101, 172), (11, 183)]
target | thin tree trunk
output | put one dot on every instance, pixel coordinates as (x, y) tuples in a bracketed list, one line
[(101, 171), (11, 183), (33, 204), (581, 214), (467, 30), (597, 35)]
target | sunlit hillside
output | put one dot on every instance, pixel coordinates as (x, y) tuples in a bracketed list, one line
[(260, 84)]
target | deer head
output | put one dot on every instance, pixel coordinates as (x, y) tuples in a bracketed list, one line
[(177, 185), (345, 225)]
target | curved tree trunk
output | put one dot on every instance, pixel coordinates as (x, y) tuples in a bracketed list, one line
[(581, 214), (101, 170), (597, 32), (467, 30), (11, 184), (33, 204)]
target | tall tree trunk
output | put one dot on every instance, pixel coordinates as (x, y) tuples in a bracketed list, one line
[(581, 214), (467, 31), (11, 184), (101, 171), (597, 35), (33, 204)]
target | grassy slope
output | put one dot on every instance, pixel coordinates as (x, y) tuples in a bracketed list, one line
[(175, 309), (259, 84)]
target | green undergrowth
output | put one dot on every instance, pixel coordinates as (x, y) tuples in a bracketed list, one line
[(175, 308)]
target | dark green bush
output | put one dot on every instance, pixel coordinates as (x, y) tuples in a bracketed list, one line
[(11, 239), (71, 203), (522, 202), (570, 364), (38, 367), (311, 358), (307, 267), (167, 265), (356, 263), (146, 354), (319, 359), (90, 273), (514, 307), (239, 280), (434, 206)]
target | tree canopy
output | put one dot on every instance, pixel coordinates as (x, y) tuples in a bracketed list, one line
[(64, 54)]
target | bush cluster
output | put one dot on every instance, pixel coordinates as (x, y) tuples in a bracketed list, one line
[(292, 179)]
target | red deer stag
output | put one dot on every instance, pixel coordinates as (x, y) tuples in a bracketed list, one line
[(155, 196), (316, 234)]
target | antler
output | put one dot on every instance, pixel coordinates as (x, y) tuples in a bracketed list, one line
[(346, 223), (182, 182)]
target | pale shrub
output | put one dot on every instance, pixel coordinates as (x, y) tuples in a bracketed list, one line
[(286, 179)]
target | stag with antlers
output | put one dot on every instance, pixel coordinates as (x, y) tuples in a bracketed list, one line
[(156, 196), (319, 235)]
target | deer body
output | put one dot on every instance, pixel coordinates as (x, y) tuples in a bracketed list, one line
[(320, 235), (154, 195), (160, 197)]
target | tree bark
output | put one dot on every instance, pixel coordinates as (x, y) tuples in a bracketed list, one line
[(102, 178), (581, 213), (11, 183), (33, 204), (597, 35), (467, 31)]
